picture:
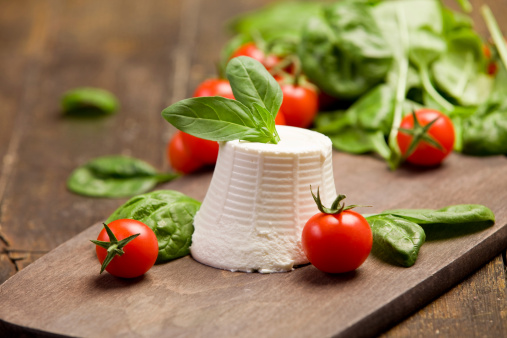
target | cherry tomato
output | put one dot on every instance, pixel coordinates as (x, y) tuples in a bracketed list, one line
[(280, 119), (300, 104), (140, 253), (442, 131), (337, 243), (250, 49), (214, 87), (179, 157), (204, 151)]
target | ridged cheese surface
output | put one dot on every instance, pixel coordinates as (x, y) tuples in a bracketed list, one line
[(259, 201)]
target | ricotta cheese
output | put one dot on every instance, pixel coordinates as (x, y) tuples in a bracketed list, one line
[(259, 200)]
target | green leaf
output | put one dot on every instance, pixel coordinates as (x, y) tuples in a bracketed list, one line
[(267, 123), (359, 141), (251, 83), (220, 119), (169, 214), (460, 72), (215, 119), (89, 101), (399, 238), (485, 132), (114, 176), (455, 214), (465, 5), (343, 51), (374, 110)]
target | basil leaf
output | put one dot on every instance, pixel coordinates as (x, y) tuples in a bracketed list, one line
[(170, 214), (215, 119), (454, 214), (115, 176), (252, 84), (399, 238), (267, 123), (89, 100)]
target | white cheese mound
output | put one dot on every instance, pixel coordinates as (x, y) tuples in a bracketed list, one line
[(259, 201)]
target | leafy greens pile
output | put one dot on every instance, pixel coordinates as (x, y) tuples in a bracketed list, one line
[(383, 59)]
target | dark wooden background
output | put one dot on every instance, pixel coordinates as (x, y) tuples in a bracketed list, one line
[(150, 54)]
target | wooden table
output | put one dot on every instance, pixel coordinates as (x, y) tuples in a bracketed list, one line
[(150, 54)]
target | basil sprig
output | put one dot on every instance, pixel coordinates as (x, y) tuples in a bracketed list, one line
[(251, 117)]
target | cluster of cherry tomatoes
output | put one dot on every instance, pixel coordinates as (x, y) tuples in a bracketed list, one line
[(187, 153)]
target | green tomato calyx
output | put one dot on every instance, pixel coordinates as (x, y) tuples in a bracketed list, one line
[(336, 208), (113, 247)]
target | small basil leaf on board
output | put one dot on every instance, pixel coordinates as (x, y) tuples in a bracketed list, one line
[(215, 119), (115, 176), (169, 214), (89, 100), (399, 238), (252, 84), (454, 214)]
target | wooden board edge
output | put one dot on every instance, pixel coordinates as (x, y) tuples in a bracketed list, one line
[(13, 330), (430, 289)]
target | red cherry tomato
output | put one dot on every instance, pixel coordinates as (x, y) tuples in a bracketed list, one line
[(214, 87), (337, 243), (140, 253), (300, 105), (441, 131), (179, 157), (280, 119), (250, 49), (204, 151)]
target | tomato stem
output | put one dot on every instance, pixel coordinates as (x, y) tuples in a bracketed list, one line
[(336, 208)]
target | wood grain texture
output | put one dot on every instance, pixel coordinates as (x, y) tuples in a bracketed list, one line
[(187, 298)]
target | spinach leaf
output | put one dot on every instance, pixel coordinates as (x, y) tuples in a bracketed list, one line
[(249, 118), (89, 100), (359, 141), (460, 72), (277, 19), (374, 110), (399, 234), (170, 214), (343, 51), (485, 132), (399, 238), (115, 176), (275, 28), (455, 214)]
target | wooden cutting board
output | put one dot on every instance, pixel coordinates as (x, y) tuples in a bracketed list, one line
[(63, 293)]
